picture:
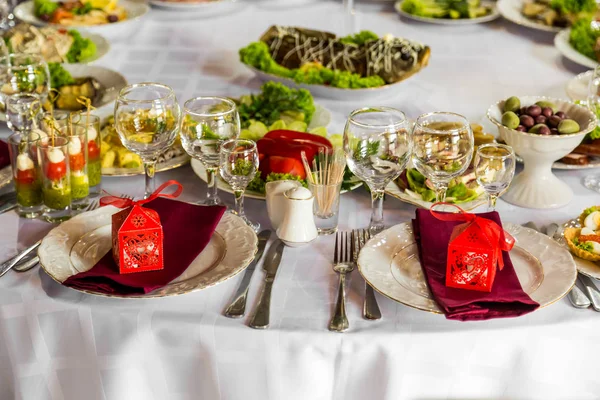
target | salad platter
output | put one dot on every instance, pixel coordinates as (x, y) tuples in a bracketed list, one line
[(438, 13), (537, 15), (562, 41)]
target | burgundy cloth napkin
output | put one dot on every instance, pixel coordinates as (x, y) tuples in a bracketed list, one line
[(187, 229), (507, 298), (4, 156)]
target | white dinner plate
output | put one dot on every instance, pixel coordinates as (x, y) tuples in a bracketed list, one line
[(330, 92), (447, 21), (78, 244), (393, 190), (390, 263), (561, 42), (511, 10), (5, 176), (115, 31), (206, 8), (585, 267)]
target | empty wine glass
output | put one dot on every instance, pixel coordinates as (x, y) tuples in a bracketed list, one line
[(494, 169), (23, 112), (239, 163), (147, 120), (592, 182), (377, 143), (23, 73), (207, 122), (443, 148)]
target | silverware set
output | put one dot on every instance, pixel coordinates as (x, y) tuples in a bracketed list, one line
[(345, 256)]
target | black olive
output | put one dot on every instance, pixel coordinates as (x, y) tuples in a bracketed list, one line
[(113, 18), (45, 17)]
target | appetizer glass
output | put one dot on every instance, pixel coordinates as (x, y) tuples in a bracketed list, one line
[(443, 148), (147, 120), (91, 123), (56, 184), (23, 111), (207, 122), (23, 73), (78, 163), (592, 182), (26, 173), (377, 143), (494, 168), (239, 163)]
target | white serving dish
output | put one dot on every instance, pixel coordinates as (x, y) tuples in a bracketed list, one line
[(445, 21), (511, 10), (562, 44)]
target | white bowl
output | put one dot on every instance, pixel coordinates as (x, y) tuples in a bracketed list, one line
[(537, 186)]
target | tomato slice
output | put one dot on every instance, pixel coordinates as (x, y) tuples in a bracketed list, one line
[(56, 171), (93, 150), (77, 161), (26, 177)]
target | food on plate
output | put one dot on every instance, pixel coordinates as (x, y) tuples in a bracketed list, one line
[(54, 45), (70, 89), (585, 37), (539, 118), (584, 242), (114, 155), (575, 159), (84, 12), (589, 147), (448, 9), (559, 13), (357, 61)]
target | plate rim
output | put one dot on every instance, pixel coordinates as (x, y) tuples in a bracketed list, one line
[(495, 14), (562, 44), (198, 6), (523, 21)]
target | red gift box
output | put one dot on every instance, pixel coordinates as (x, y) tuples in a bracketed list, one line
[(137, 235), (474, 251)]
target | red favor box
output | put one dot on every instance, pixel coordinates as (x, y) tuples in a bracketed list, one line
[(137, 239)]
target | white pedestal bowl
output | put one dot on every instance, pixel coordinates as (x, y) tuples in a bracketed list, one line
[(537, 186)]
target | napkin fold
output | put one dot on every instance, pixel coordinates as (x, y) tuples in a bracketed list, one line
[(187, 229), (4, 155), (507, 298)]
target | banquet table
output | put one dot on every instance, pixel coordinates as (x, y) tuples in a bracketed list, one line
[(57, 343)]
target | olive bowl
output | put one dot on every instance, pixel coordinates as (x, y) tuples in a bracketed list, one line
[(537, 186)]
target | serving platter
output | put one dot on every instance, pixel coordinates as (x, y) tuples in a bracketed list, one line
[(389, 262), (78, 244), (446, 21), (562, 43), (511, 10), (206, 8), (393, 190)]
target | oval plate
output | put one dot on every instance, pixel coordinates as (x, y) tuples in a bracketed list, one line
[(207, 8), (561, 42), (447, 21), (76, 245), (511, 10), (401, 278)]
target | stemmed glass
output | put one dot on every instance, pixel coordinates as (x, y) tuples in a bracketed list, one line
[(592, 182), (443, 148), (494, 169), (207, 122), (23, 112), (147, 120), (239, 163), (377, 143), (23, 73)]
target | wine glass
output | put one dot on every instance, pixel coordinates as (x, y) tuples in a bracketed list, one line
[(592, 182), (443, 148), (494, 169), (23, 73), (377, 143), (23, 111), (207, 122), (239, 163), (147, 120)]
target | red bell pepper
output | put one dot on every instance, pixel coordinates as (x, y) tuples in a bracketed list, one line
[(280, 151)]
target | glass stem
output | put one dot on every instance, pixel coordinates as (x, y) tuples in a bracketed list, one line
[(149, 169), (492, 201), (211, 181), (440, 192), (239, 202), (376, 224)]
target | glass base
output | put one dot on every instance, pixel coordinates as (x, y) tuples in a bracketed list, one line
[(375, 229), (80, 204), (29, 212), (95, 191), (213, 201), (327, 231), (53, 216), (592, 182), (254, 225)]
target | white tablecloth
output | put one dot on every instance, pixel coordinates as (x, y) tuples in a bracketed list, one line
[(56, 343)]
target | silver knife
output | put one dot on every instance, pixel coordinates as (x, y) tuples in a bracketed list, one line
[(237, 308), (592, 291), (260, 320)]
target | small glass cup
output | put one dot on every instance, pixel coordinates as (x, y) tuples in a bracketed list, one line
[(53, 156), (326, 206), (23, 112), (26, 173), (94, 140), (78, 163), (494, 168)]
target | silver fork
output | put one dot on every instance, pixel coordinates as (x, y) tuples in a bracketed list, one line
[(370, 307), (342, 264)]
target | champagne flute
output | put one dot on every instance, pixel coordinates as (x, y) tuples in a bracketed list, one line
[(239, 163), (24, 73), (207, 122), (443, 148), (494, 169), (592, 182), (377, 143), (147, 120)]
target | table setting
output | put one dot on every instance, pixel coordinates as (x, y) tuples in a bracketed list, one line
[(214, 207)]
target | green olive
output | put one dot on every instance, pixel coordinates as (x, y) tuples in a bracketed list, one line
[(512, 104), (567, 126), (543, 103), (510, 120)]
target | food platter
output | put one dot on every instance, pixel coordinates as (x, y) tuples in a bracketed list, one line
[(561, 42), (446, 21), (393, 190), (389, 263), (511, 10), (207, 8), (77, 245), (118, 30)]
